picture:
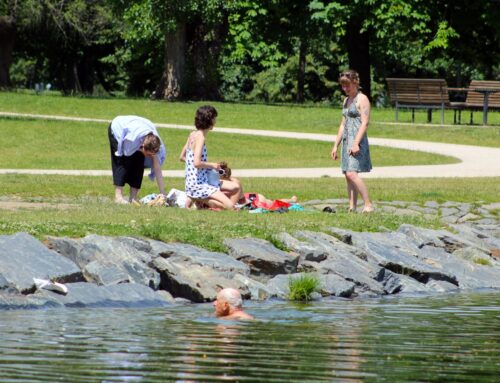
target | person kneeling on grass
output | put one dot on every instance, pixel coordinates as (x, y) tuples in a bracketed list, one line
[(229, 305), (135, 144), (194, 154)]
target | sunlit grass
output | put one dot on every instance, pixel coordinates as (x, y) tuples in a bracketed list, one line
[(77, 145), (91, 209), (297, 118)]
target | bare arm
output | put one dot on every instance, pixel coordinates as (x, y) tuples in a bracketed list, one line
[(338, 139), (198, 148), (158, 174), (182, 156), (364, 110)]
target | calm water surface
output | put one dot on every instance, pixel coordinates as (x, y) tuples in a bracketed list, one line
[(446, 338)]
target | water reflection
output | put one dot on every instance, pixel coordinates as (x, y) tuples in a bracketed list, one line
[(445, 338)]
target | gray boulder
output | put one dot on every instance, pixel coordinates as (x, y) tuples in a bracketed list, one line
[(23, 257), (122, 295), (398, 283), (343, 260), (480, 238), (196, 255), (105, 274), (17, 301), (278, 285), (330, 285), (257, 290), (441, 286), (438, 238), (306, 251), (262, 257), (101, 256), (455, 255), (195, 282), (394, 251)]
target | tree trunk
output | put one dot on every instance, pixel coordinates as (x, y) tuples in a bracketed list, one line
[(7, 39), (204, 44), (358, 50), (301, 72), (170, 85)]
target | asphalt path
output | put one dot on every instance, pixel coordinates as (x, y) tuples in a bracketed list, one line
[(475, 161)]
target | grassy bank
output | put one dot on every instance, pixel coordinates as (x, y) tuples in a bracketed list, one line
[(87, 208)]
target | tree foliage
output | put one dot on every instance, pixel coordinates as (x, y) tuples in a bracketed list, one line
[(258, 50)]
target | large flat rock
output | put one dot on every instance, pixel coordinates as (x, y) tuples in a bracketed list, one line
[(335, 257), (23, 257), (262, 257), (122, 295), (107, 260), (195, 282)]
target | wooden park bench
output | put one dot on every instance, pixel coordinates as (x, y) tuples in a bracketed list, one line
[(420, 93), (481, 95)]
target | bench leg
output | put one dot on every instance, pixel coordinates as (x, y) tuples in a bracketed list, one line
[(396, 113), (471, 118), (429, 115), (442, 116), (413, 115)]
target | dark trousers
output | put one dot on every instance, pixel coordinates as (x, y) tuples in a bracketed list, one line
[(126, 169)]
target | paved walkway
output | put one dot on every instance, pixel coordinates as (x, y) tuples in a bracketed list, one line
[(475, 161)]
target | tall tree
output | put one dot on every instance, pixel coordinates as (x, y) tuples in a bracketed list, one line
[(67, 37), (8, 29), (7, 38)]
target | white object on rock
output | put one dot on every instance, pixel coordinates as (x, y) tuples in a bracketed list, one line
[(49, 285)]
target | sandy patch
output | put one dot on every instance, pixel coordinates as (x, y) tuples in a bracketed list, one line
[(16, 205)]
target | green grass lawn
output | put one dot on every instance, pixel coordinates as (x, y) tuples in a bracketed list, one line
[(81, 145), (92, 209), (309, 118), (58, 188), (38, 143)]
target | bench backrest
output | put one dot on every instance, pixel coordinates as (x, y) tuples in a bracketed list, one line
[(418, 91), (476, 98)]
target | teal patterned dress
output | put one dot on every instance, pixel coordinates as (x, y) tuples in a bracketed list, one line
[(360, 163)]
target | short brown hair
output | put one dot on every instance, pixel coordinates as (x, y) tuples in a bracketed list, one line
[(151, 143), (205, 116), (227, 170), (349, 75)]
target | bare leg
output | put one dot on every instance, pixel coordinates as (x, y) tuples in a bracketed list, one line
[(133, 194), (232, 188), (352, 193), (359, 186), (119, 195), (220, 197)]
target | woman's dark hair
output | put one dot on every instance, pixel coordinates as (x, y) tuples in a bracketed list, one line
[(349, 75), (205, 116)]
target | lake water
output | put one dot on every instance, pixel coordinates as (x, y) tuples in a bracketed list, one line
[(444, 338)]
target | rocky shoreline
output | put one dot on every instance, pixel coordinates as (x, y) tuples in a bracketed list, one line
[(137, 272)]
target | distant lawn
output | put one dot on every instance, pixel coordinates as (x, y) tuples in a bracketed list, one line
[(82, 145), (309, 118)]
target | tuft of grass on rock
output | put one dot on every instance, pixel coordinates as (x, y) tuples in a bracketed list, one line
[(481, 261), (302, 287)]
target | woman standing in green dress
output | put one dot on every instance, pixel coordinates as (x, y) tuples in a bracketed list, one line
[(352, 134)]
